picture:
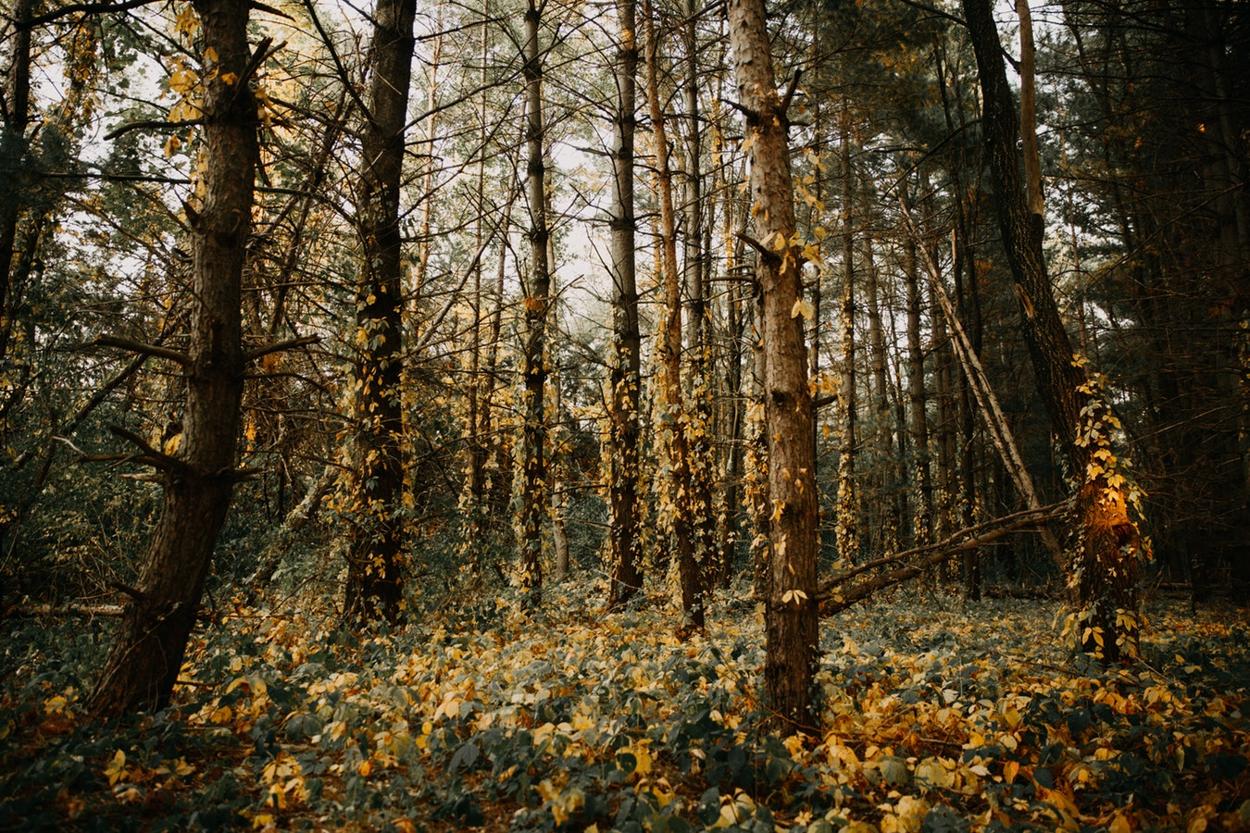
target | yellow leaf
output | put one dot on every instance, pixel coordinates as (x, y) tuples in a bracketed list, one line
[(1120, 824), (116, 770), (229, 78)]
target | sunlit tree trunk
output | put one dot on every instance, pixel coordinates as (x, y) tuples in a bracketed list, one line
[(151, 638), (790, 613)]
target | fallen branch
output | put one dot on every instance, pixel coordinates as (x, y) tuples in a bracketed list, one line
[(64, 610), (834, 594)]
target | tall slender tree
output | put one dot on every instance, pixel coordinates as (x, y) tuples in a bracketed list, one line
[(537, 290), (374, 587), (625, 551), (198, 479), (790, 614)]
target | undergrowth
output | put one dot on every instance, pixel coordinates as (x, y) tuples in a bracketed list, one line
[(936, 717)]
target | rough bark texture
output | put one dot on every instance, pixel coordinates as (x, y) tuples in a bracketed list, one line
[(152, 636), (374, 587), (1106, 545), (534, 434), (12, 153), (790, 614), (625, 551)]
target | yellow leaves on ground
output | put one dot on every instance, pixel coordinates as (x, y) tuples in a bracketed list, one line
[(911, 726)]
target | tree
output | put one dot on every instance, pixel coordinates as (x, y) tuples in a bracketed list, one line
[(625, 551), (374, 587), (198, 479), (790, 614), (1106, 545), (677, 493), (537, 290)]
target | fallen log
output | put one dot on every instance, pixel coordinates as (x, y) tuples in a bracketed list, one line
[(842, 591)]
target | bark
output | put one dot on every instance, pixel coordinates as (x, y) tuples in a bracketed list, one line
[(1028, 112), (1106, 545), (624, 545), (888, 477), (13, 152), (918, 423), (534, 433), (790, 614), (697, 415), (670, 346), (847, 503), (374, 587), (151, 638)]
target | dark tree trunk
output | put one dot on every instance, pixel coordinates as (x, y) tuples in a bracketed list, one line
[(922, 520), (625, 550), (12, 158), (375, 560), (847, 506), (698, 412), (152, 636), (534, 439), (1106, 546)]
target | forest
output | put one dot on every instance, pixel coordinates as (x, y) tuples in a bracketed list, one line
[(625, 415)]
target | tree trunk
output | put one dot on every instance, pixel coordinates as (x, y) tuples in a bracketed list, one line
[(374, 559), (887, 475), (922, 521), (1106, 546), (697, 416), (16, 113), (847, 510), (534, 434), (678, 487), (151, 639), (790, 613), (625, 551)]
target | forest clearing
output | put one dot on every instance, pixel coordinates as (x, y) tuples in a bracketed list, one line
[(590, 415)]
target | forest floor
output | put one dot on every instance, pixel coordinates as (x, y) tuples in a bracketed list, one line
[(936, 717)]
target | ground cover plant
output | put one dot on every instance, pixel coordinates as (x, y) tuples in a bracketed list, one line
[(935, 716)]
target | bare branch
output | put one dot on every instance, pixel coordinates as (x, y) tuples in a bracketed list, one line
[(144, 348), (281, 346)]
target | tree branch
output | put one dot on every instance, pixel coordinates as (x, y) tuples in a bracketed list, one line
[(280, 346), (789, 96), (833, 599), (150, 456), (149, 124), (144, 348)]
